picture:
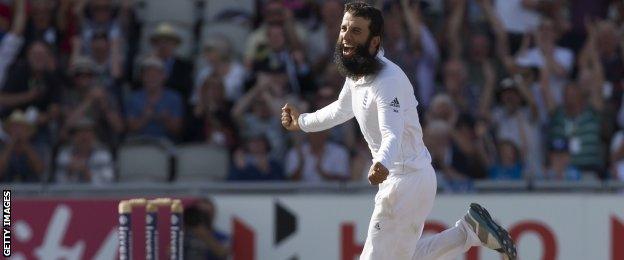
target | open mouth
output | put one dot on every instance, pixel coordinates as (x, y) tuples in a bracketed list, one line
[(348, 50)]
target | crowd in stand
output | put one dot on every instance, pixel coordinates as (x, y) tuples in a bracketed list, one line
[(507, 89)]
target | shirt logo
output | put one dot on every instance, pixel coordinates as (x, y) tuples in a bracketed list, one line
[(395, 104), (377, 226)]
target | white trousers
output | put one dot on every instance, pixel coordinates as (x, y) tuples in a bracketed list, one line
[(402, 205)]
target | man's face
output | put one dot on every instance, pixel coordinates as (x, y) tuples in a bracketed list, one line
[(355, 48), (165, 47), (100, 47), (278, 39), (153, 78), (83, 80), (454, 74), (38, 56)]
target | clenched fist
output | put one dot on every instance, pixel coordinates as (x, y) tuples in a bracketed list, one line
[(377, 173), (290, 117)]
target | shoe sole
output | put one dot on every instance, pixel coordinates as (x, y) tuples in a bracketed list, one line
[(481, 215)]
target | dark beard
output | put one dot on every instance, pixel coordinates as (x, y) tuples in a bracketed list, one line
[(361, 63)]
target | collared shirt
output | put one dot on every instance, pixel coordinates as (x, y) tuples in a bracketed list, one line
[(385, 108)]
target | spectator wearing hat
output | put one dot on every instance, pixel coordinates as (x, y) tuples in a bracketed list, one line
[(178, 72), (88, 99), (515, 118), (21, 160), (154, 111), (218, 60), (252, 162), (559, 164), (85, 160)]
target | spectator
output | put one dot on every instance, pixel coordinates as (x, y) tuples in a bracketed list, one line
[(212, 115), (558, 61), (321, 42), (263, 119), (154, 111), (107, 62), (508, 165), (442, 108), (85, 160), (11, 42), (253, 163), (42, 25), (516, 120), (415, 51), (455, 85), (201, 239), (318, 160), (439, 142), (218, 60), (178, 72), (559, 167), (98, 17), (579, 122), (88, 99), (274, 13), (35, 83), (21, 160), (278, 56)]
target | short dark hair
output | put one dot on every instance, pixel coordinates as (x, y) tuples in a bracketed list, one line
[(368, 12)]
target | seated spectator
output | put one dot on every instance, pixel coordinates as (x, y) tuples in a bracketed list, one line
[(201, 239), (178, 71), (318, 160), (87, 99), (85, 160), (155, 111), (211, 121), (559, 166), (253, 163), (218, 59), (21, 160), (264, 117), (508, 164)]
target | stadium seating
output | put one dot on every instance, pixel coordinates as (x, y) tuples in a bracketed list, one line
[(200, 162), (143, 161)]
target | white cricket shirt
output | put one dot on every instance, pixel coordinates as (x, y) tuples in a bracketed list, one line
[(384, 106)]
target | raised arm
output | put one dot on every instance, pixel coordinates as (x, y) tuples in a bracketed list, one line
[(455, 23)]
